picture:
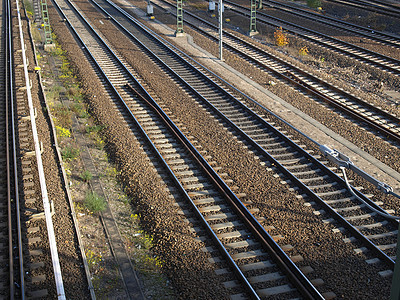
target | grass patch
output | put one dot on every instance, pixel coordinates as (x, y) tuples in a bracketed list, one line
[(70, 153), (86, 176), (29, 7), (94, 203), (54, 93), (95, 129), (63, 115), (36, 35), (77, 108), (314, 3)]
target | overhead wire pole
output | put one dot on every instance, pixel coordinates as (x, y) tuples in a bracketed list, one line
[(220, 10), (179, 18), (46, 25), (253, 21)]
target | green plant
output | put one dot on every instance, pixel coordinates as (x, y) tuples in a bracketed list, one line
[(54, 93), (78, 207), (57, 51), (73, 91), (94, 203), (76, 108), (86, 176), (63, 116), (314, 3), (99, 142), (96, 128), (29, 8), (70, 153), (111, 172), (36, 34), (83, 114), (92, 258), (62, 132)]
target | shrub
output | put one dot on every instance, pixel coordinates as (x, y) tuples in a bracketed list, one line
[(94, 203), (303, 51), (281, 38)]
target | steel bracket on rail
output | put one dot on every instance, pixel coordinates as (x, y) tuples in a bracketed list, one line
[(28, 118), (33, 153), (344, 161)]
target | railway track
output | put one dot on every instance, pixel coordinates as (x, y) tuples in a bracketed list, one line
[(382, 122), (324, 190), (379, 7), (384, 38), (368, 57), (6, 238), (246, 248), (317, 181), (32, 270)]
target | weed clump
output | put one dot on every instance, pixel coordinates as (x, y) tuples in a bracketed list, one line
[(86, 176), (314, 3), (303, 51), (70, 153), (94, 203)]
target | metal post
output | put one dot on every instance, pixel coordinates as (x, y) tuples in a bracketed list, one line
[(150, 10), (253, 29), (179, 18), (46, 23), (395, 291), (211, 6), (260, 5), (220, 10)]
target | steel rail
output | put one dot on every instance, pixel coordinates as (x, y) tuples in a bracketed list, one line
[(42, 181), (315, 37), (269, 157), (147, 138), (386, 38), (15, 168), (307, 289), (293, 79), (383, 4), (292, 271), (9, 98), (363, 5)]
